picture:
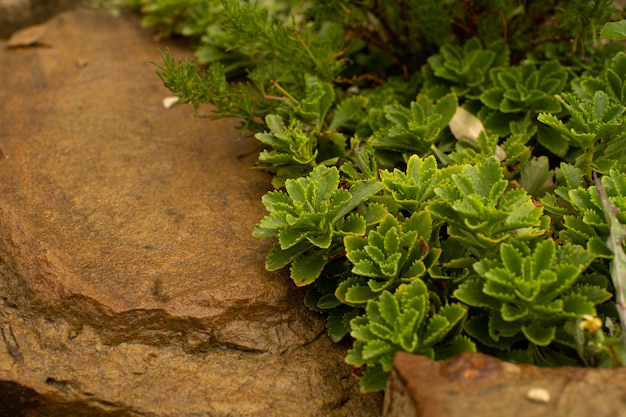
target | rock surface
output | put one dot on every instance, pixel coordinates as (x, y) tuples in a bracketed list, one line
[(130, 284), (17, 14), (477, 385)]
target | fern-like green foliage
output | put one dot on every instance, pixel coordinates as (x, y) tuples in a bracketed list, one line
[(192, 86), (481, 212), (402, 321), (310, 220), (529, 294)]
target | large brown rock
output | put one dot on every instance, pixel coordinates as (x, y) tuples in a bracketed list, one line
[(130, 283), (16, 14), (477, 385)]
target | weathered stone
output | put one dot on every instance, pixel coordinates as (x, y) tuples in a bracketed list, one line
[(477, 385), (16, 14), (130, 283)]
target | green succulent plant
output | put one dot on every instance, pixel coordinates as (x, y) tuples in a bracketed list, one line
[(403, 322), (414, 129), (392, 254), (465, 68), (386, 210), (595, 130), (529, 294), (413, 188), (310, 220), (481, 212)]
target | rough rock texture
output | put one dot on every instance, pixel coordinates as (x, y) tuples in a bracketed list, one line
[(130, 284), (16, 14), (477, 385)]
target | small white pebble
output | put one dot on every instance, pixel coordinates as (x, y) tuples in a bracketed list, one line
[(168, 102), (538, 395)]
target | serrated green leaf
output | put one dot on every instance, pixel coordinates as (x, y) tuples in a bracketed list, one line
[(355, 355), (307, 267), (374, 379), (471, 293), (460, 344), (577, 305), (337, 323), (346, 110), (359, 294), (598, 248), (374, 213), (360, 192), (376, 348), (366, 268), (278, 258), (543, 256), (355, 224), (288, 237), (360, 329), (540, 336), (435, 330), (389, 308)]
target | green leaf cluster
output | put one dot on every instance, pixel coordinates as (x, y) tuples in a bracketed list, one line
[(448, 175), (401, 322), (529, 295), (481, 212), (464, 69), (391, 254), (309, 218), (414, 129)]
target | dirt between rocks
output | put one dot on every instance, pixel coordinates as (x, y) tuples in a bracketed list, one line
[(130, 283)]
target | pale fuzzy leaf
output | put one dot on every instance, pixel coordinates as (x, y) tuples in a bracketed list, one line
[(464, 125)]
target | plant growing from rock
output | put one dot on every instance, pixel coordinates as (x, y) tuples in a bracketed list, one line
[(434, 165)]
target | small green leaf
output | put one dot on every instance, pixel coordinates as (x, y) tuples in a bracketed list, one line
[(389, 308), (374, 379), (338, 322), (307, 267), (541, 336), (278, 258), (536, 177), (458, 345), (376, 348), (355, 224), (359, 294), (346, 110), (471, 293), (614, 31), (328, 301)]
